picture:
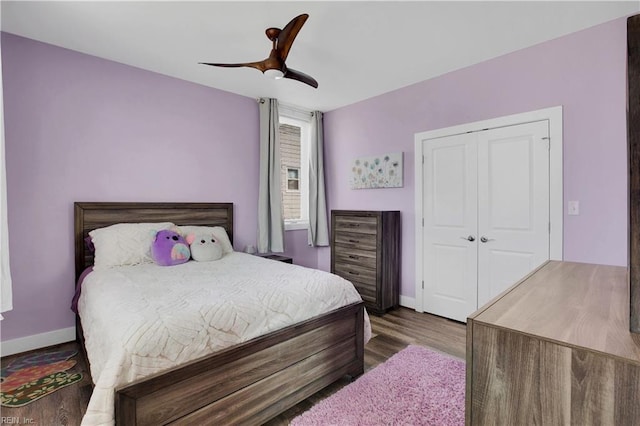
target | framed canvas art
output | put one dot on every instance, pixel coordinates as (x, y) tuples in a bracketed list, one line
[(380, 171)]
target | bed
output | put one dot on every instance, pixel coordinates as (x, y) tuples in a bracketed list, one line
[(249, 382)]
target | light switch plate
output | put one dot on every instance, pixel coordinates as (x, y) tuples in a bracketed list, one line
[(574, 208)]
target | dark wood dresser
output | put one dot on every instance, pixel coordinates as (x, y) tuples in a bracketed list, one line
[(365, 249)]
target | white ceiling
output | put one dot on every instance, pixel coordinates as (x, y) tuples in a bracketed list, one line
[(356, 50)]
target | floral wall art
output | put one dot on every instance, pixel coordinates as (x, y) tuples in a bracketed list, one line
[(380, 171)]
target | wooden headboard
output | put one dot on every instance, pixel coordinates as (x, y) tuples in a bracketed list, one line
[(89, 216)]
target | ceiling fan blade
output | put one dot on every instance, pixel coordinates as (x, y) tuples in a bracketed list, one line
[(257, 65), (300, 76), (288, 34)]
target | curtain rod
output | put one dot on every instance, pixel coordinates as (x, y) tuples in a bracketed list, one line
[(289, 107)]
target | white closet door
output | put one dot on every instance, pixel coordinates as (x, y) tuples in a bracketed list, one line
[(451, 220), (513, 205), (486, 214)]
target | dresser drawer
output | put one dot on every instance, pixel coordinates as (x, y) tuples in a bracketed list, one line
[(366, 287), (344, 254), (351, 240), (367, 291), (357, 224), (356, 272)]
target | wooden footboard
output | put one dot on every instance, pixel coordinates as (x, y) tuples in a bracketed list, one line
[(252, 382)]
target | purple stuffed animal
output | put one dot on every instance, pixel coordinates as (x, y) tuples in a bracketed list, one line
[(169, 248)]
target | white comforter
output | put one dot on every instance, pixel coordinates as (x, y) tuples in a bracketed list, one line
[(139, 320)]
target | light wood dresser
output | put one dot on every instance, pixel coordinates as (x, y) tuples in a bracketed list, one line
[(365, 249), (555, 349)]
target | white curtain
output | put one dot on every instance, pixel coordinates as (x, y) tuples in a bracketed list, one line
[(270, 219), (6, 297), (318, 234)]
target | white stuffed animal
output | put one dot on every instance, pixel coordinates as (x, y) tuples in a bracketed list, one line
[(204, 247)]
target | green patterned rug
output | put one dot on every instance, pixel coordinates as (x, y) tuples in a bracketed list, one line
[(31, 377)]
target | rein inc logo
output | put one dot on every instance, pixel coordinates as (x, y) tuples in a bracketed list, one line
[(16, 421)]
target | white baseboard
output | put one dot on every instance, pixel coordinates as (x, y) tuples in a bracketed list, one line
[(408, 302), (37, 341)]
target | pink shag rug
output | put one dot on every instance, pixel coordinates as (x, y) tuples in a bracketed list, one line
[(416, 386)]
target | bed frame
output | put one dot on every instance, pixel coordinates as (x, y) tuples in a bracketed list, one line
[(249, 383)]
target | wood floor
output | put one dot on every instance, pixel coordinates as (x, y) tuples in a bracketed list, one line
[(392, 333)]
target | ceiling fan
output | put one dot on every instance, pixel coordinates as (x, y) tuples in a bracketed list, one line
[(274, 65)]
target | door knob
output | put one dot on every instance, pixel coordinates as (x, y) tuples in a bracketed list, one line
[(485, 239), (469, 238)]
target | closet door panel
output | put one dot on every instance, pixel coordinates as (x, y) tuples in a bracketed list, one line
[(504, 269), (450, 229), (513, 205)]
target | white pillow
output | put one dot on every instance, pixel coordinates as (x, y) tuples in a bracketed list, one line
[(217, 231), (124, 243)]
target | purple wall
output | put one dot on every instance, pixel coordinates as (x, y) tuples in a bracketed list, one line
[(296, 245), (584, 72), (80, 128)]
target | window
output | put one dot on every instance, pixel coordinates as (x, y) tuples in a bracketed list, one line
[(293, 179), (294, 166)]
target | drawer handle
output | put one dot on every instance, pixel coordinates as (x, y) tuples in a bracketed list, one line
[(353, 257), (354, 241), (354, 225), (353, 273)]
